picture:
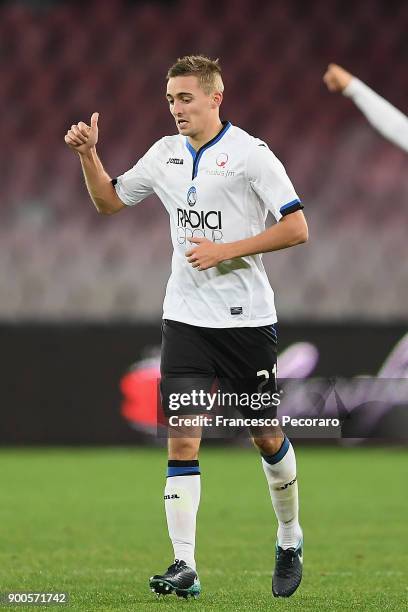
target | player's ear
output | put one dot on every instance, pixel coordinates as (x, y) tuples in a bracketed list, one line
[(216, 99)]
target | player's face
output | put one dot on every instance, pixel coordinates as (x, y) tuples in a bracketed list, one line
[(190, 106)]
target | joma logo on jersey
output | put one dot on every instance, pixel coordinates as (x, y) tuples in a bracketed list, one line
[(175, 160), (194, 219), (172, 496)]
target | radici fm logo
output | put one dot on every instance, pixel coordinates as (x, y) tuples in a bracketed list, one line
[(221, 160), (221, 170), (192, 196)]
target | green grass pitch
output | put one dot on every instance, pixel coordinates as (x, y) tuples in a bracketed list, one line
[(91, 522)]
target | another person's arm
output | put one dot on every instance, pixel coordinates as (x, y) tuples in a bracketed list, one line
[(82, 139), (382, 115)]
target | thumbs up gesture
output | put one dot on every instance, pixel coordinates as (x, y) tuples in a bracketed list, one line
[(82, 137)]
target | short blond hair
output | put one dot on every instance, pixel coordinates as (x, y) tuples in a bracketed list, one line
[(207, 71)]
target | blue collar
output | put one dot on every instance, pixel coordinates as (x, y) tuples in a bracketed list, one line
[(196, 155)]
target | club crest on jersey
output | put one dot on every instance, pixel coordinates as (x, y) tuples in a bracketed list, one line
[(222, 160), (192, 196)]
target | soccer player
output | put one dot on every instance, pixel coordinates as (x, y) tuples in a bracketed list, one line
[(217, 184), (384, 117)]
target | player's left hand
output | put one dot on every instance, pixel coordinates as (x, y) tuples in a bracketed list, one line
[(206, 254)]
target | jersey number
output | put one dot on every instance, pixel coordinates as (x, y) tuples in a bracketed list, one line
[(266, 375)]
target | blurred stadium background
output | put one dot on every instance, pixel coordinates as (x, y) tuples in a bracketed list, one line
[(81, 294), (60, 61)]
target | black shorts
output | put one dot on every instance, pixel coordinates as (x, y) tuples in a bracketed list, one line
[(240, 361)]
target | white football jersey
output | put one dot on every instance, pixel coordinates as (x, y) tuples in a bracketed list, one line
[(222, 192)]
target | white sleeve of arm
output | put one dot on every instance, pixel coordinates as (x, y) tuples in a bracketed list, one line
[(269, 180), (382, 115), (137, 183)]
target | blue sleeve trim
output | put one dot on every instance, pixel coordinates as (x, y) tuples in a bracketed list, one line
[(297, 201), (291, 207)]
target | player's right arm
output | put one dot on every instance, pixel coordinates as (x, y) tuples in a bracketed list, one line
[(382, 115), (82, 139)]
